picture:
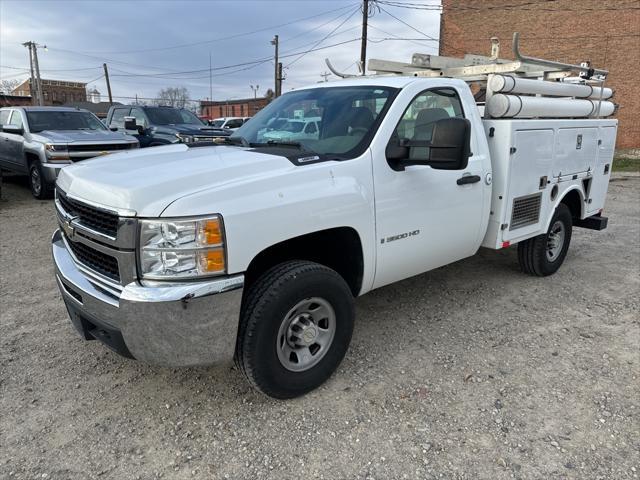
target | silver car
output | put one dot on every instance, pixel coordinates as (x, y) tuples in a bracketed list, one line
[(39, 141)]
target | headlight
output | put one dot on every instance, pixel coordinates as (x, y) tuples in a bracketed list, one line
[(184, 138), (56, 152), (182, 248), (52, 147)]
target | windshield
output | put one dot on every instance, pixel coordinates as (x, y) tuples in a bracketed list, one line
[(62, 120), (171, 116), (333, 121)]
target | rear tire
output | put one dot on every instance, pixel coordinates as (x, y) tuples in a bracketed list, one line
[(40, 188), (295, 328), (543, 255)]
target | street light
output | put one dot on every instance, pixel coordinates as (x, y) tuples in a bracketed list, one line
[(255, 90)]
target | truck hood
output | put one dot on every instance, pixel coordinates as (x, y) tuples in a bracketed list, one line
[(144, 182), (71, 136)]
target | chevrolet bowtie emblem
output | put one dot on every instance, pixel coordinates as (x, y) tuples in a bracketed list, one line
[(68, 227)]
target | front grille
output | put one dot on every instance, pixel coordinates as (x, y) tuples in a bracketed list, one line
[(526, 211), (95, 260), (92, 217), (109, 147)]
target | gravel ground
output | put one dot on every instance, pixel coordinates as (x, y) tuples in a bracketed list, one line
[(471, 371)]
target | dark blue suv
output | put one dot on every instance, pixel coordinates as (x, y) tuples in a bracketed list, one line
[(154, 126)]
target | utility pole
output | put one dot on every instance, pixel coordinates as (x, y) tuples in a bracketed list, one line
[(363, 46), (32, 84), (210, 80), (106, 77), (38, 79), (37, 96), (325, 75), (278, 69), (279, 91)]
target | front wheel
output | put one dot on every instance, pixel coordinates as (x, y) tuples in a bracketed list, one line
[(295, 328), (543, 255), (40, 188)]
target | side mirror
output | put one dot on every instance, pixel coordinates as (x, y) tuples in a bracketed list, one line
[(448, 149), (12, 129), (130, 123), (140, 129), (113, 129), (450, 144)]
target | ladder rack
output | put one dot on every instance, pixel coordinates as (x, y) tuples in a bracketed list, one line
[(555, 80)]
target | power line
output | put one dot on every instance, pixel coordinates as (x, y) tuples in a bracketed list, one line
[(412, 6), (229, 37), (419, 31), (250, 64), (323, 38)]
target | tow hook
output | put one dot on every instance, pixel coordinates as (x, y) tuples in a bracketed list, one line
[(185, 300)]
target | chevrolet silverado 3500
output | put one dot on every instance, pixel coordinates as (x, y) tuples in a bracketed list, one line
[(256, 248)]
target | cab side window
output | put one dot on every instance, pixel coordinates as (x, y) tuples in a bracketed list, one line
[(4, 117), (421, 115), (311, 128), (140, 117), (235, 123), (16, 119), (117, 119)]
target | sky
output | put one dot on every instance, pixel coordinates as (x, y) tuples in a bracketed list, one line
[(149, 44)]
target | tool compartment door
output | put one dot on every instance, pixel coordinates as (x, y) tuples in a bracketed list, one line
[(602, 171), (576, 150), (530, 168)]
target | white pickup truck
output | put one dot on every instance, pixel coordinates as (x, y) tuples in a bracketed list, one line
[(196, 254)]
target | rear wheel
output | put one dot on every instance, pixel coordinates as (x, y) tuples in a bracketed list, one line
[(40, 188), (543, 255), (295, 328)]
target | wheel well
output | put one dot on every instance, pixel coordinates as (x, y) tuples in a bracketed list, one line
[(337, 248), (30, 158), (574, 202)]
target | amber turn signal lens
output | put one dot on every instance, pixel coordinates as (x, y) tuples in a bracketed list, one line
[(211, 261), (210, 232)]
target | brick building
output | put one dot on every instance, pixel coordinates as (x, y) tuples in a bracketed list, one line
[(245, 107), (605, 32), (55, 92), (14, 101)]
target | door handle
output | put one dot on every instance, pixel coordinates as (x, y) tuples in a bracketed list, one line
[(467, 179)]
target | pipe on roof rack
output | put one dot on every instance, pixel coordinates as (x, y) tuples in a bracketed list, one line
[(516, 106), (550, 63), (511, 84), (337, 73)]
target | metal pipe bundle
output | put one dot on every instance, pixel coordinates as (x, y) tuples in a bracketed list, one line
[(516, 106), (511, 84)]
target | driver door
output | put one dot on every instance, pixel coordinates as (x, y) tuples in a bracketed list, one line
[(424, 218)]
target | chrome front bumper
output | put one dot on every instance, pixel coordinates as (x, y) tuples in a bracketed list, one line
[(181, 324)]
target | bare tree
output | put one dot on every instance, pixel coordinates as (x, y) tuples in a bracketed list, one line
[(269, 94), (173, 97), (8, 86)]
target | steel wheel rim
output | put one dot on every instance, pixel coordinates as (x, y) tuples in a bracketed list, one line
[(555, 240), (306, 334), (36, 184)]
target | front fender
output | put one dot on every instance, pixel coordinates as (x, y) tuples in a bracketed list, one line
[(261, 212)]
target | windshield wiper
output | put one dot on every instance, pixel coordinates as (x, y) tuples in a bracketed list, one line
[(283, 143)]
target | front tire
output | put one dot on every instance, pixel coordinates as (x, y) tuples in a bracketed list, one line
[(543, 255), (295, 328), (40, 188)]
